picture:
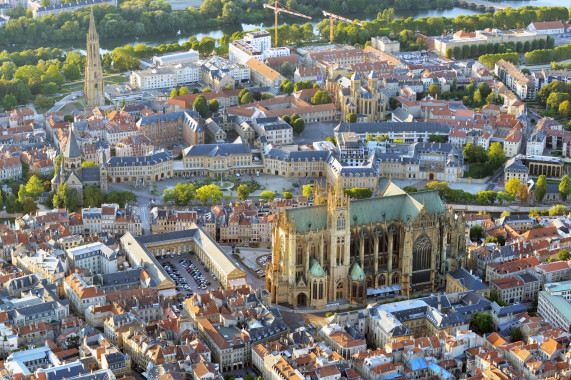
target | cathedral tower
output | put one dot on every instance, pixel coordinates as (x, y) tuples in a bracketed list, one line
[(94, 96)]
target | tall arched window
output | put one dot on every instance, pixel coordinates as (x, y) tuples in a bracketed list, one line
[(299, 255), (341, 222), (421, 253)]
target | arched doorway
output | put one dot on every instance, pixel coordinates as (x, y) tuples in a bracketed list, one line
[(301, 299), (431, 176)]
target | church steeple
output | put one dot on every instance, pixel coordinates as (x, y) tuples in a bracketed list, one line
[(71, 153), (94, 95)]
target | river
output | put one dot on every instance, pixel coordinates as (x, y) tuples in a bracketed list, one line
[(108, 45)]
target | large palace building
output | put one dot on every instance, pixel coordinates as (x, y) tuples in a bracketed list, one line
[(338, 248)]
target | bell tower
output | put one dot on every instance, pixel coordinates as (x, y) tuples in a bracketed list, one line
[(94, 91)]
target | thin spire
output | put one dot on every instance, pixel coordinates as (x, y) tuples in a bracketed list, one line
[(92, 23)]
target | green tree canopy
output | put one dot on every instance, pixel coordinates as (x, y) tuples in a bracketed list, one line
[(34, 187), (541, 187), (268, 195), (243, 192)]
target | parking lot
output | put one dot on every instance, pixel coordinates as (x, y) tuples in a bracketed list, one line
[(189, 273)]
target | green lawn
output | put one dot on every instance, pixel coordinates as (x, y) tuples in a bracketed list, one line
[(475, 171)]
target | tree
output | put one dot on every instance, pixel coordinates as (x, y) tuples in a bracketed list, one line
[(434, 90), (555, 99), (563, 255), (352, 117), (286, 87), (174, 93), (206, 46), (512, 185), (120, 197), (495, 298), (89, 164), (9, 102), (515, 334), (209, 193), (231, 13), (34, 187), (22, 195), (243, 192), (321, 97), (29, 206), (495, 155), (541, 187), (298, 125), (564, 187), (200, 105), (92, 196), (213, 105), (483, 322), (522, 193), (287, 195), (268, 195), (358, 192), (10, 201), (183, 91), (565, 109), (476, 232), (286, 70), (307, 190), (410, 189), (558, 210), (246, 98)]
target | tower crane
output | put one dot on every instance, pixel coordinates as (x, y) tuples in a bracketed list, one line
[(337, 17), (280, 8)]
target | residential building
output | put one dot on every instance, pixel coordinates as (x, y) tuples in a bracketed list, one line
[(463, 281), (256, 45), (166, 77), (81, 295), (95, 257), (262, 74), (523, 85)]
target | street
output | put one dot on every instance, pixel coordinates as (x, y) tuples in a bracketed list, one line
[(67, 99)]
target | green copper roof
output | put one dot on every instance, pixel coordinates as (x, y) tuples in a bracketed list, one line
[(308, 218), (356, 273), (315, 269), (391, 207)]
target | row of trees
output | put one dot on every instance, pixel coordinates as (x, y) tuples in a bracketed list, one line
[(489, 60), (541, 187), (433, 26), (183, 194), (458, 195), (560, 53)]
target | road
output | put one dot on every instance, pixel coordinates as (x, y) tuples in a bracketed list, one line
[(67, 99), (493, 181)]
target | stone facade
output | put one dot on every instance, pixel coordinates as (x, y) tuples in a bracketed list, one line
[(340, 247), (94, 86)]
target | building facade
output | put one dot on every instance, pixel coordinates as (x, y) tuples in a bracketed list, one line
[(339, 247), (94, 86)]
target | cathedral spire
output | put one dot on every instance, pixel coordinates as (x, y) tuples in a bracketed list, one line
[(94, 95), (92, 31)]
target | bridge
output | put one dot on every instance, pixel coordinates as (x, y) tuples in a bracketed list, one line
[(480, 5)]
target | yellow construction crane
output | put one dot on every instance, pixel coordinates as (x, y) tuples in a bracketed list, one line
[(280, 8), (337, 17)]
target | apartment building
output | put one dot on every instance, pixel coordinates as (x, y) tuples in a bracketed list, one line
[(95, 257), (172, 128), (166, 77), (523, 85), (263, 75), (256, 45), (80, 294)]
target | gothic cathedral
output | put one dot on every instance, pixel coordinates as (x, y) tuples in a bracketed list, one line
[(336, 249), (94, 89)]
